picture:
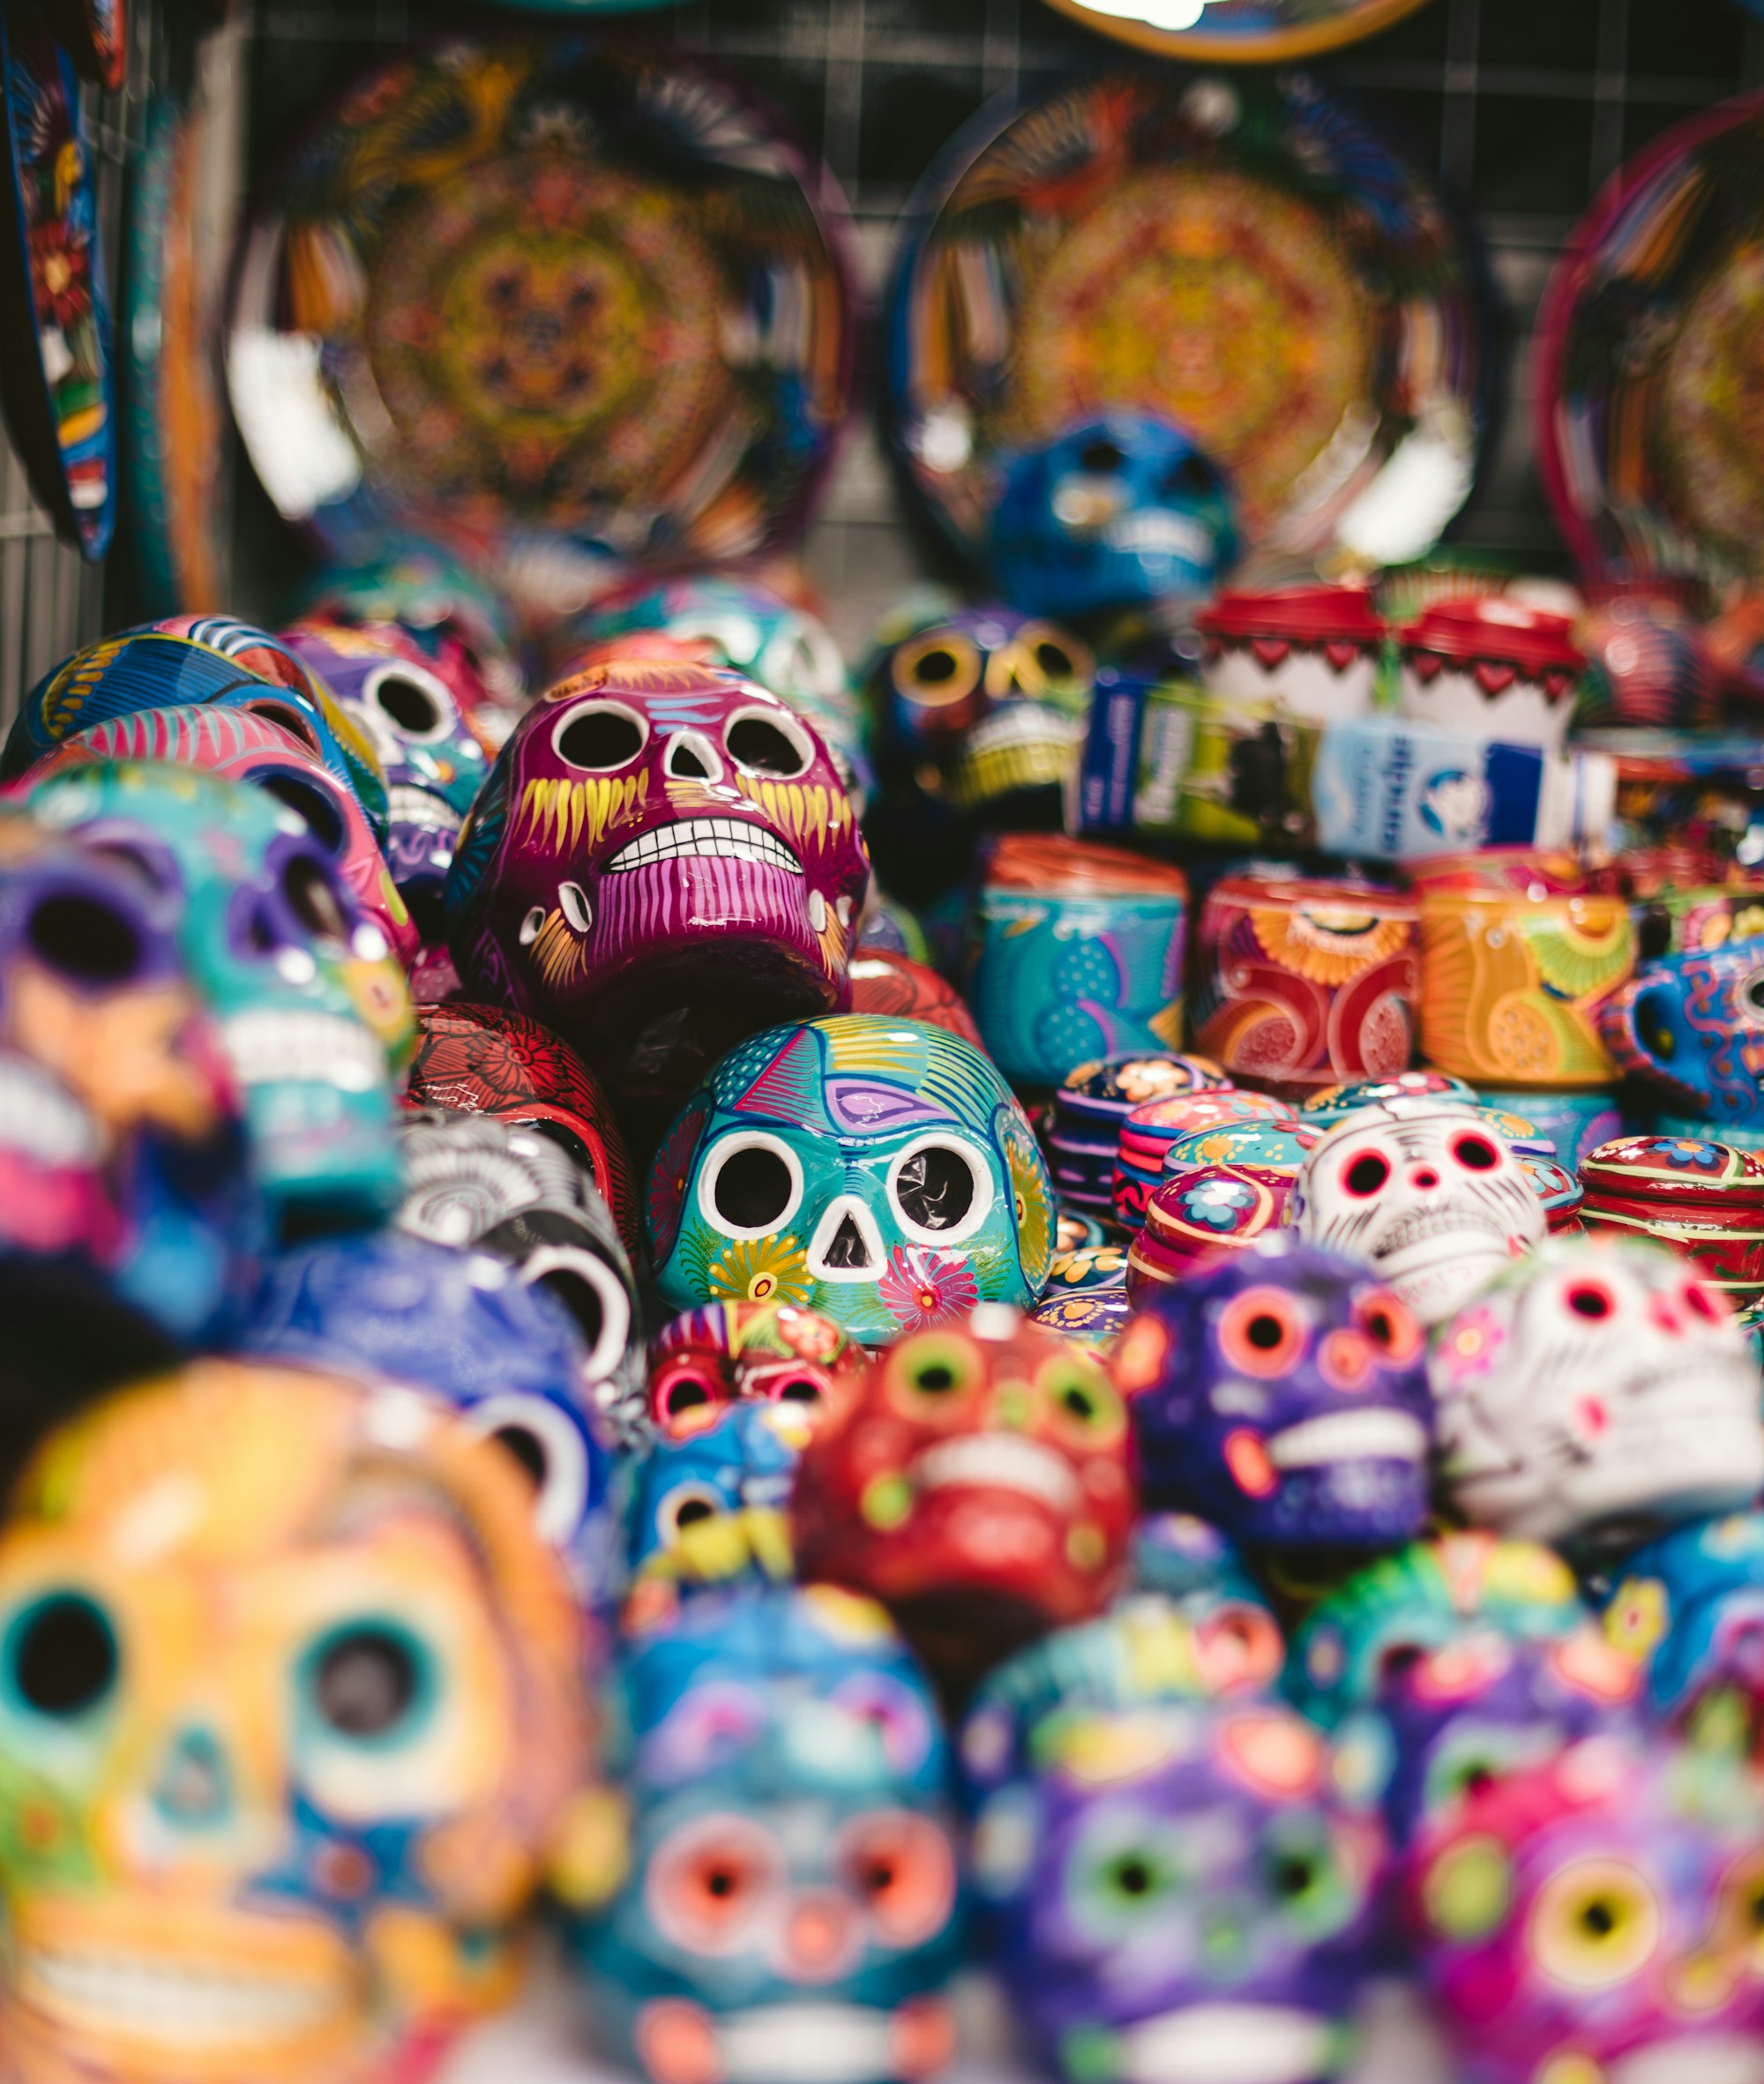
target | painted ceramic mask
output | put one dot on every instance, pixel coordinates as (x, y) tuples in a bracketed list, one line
[(1692, 1604), (1427, 1194), (1454, 1718), (1692, 1027), (1283, 1394), (243, 746), (289, 1765), (1184, 1892), (481, 1060), (195, 661), (710, 1510), (728, 1352), (1115, 510), (1428, 1595), (463, 1326), (121, 1164), (654, 841), (434, 763), (791, 1904), (878, 1171), (473, 1181), (1596, 1916), (981, 1489), (1594, 1394), (314, 1012)]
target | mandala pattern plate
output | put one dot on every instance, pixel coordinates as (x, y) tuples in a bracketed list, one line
[(1650, 426), (55, 369), (1227, 31), (544, 291), (1114, 246)]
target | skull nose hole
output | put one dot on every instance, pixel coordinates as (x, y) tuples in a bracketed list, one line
[(84, 941), (690, 759), (1424, 1176), (847, 1249), (195, 1786), (411, 708)]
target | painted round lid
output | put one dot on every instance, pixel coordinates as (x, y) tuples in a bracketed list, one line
[(549, 291), (1272, 1145), (1279, 616), (1334, 1101), (1216, 1204), (1498, 631), (1109, 1087), (1347, 902), (1148, 1130), (1093, 1317), (1091, 1266), (1055, 867), (1676, 1174), (1527, 1138), (1074, 1231), (1556, 1187)]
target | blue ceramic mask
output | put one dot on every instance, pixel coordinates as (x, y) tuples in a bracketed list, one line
[(463, 1326), (877, 1170), (790, 1908), (1115, 509), (1283, 1393)]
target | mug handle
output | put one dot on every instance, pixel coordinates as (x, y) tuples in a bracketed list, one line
[(1620, 1028)]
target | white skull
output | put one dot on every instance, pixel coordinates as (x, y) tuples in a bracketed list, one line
[(1596, 1392), (1425, 1191)]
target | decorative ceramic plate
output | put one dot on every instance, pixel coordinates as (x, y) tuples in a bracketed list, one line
[(1228, 32), (1650, 396), (174, 420), (54, 317), (96, 34), (1116, 246), (540, 292)]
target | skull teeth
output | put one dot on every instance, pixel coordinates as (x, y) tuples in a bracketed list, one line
[(807, 2044), (1152, 533), (323, 1049), (179, 2001), (999, 1462), (405, 805), (1227, 2044), (1417, 1226), (721, 839), (1349, 1436), (1023, 724), (42, 1121)]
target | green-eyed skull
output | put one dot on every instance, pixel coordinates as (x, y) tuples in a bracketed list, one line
[(877, 1169)]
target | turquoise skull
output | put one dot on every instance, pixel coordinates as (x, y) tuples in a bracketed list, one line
[(315, 1015), (877, 1169)]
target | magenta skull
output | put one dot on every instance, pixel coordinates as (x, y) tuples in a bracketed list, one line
[(659, 844)]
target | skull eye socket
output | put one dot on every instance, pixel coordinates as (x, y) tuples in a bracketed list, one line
[(1083, 1402), (708, 1882), (594, 1297), (290, 720), (1475, 1154), (938, 670), (934, 1371), (1099, 456), (1389, 1324), (937, 1191), (685, 1507), (1752, 993), (1590, 1299), (687, 1401), (1364, 1175), (546, 1445), (312, 898), (415, 711), (309, 803), (901, 1866), (1594, 1924), (61, 1656), (762, 743), (83, 940), (751, 1185), (367, 1682), (1262, 1332), (599, 736)]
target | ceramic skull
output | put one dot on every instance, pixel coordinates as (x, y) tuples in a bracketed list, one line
[(728, 1352), (290, 1720), (475, 1060), (982, 1488), (1595, 1917), (877, 1170), (656, 842), (1115, 509), (1426, 1193), (791, 1903), (464, 1327), (1691, 1605), (1283, 1393), (474, 1181), (1182, 1892), (1595, 1393)]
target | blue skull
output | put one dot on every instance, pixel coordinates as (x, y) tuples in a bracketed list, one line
[(464, 1326), (1120, 508), (1692, 1604), (791, 1907)]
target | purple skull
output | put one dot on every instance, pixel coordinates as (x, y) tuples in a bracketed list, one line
[(658, 843), (1283, 1394), (1182, 1893)]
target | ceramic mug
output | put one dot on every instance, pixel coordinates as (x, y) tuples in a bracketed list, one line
[(1692, 1025), (1512, 981)]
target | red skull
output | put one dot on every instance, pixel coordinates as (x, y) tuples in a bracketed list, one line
[(711, 1358), (981, 1487)]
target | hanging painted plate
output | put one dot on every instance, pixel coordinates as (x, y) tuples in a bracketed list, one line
[(1242, 255), (56, 379), (1650, 389), (515, 296), (1238, 31), (96, 35)]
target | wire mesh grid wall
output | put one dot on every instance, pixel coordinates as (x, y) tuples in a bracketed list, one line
[(1524, 105)]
